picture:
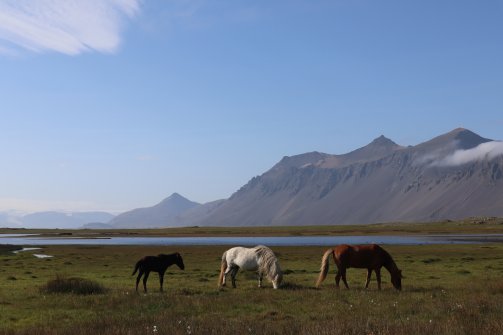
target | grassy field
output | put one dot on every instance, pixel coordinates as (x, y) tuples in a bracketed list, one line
[(448, 289), (478, 225)]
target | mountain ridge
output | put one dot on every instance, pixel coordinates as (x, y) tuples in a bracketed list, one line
[(396, 184), (451, 176)]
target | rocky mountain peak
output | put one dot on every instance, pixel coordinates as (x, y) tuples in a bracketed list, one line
[(459, 138), (382, 141)]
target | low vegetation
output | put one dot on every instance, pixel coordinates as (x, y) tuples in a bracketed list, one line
[(74, 285), (447, 289), (6, 249)]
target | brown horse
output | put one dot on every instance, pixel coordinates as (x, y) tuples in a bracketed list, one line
[(157, 264), (371, 257)]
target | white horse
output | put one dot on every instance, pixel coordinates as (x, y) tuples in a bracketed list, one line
[(259, 258)]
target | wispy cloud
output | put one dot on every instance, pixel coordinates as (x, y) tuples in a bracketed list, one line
[(484, 151), (66, 26)]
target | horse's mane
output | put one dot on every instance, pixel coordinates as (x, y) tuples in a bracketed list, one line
[(389, 263), (167, 255), (268, 263)]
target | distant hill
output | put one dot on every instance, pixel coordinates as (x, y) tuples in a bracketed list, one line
[(455, 175), (163, 214), (7, 220), (59, 219), (97, 225)]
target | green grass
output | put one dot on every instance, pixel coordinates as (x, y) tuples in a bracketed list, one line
[(479, 225), (448, 289), (6, 249)]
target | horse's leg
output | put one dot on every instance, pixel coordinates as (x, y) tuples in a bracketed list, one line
[(344, 279), (369, 273), (229, 268), (260, 279), (234, 272), (145, 281), (161, 278), (138, 279), (378, 277), (338, 277)]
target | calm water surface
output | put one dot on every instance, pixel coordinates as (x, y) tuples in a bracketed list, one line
[(20, 239)]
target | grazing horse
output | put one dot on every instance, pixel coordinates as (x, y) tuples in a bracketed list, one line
[(371, 257), (157, 264), (259, 258)]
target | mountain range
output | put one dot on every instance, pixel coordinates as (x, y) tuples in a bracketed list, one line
[(52, 219), (452, 176), (455, 175)]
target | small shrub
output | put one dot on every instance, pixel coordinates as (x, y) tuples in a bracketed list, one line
[(187, 292), (293, 286), (463, 272), (431, 260), (73, 285)]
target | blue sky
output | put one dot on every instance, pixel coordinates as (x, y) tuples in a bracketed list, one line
[(113, 105)]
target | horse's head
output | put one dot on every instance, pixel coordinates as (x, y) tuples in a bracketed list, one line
[(179, 261), (276, 282), (396, 280)]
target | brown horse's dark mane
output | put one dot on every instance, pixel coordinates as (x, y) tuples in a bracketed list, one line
[(389, 263)]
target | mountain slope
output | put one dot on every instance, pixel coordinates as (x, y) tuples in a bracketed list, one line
[(379, 182), (163, 214)]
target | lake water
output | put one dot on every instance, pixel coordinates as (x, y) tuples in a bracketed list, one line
[(20, 239)]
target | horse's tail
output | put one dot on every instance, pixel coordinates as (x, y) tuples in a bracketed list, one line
[(137, 266), (324, 266), (223, 267)]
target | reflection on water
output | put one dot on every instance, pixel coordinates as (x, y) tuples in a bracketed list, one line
[(251, 240), (42, 256), (32, 249), (25, 249)]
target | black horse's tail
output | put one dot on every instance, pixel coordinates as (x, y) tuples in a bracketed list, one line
[(137, 266)]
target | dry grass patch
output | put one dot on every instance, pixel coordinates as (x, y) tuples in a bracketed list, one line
[(74, 285)]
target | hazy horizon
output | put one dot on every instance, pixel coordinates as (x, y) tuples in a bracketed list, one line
[(197, 97)]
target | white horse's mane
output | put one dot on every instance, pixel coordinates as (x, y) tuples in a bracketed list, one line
[(268, 263)]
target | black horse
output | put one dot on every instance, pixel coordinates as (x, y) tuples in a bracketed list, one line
[(157, 264)]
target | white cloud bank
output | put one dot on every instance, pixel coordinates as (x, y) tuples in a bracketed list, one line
[(66, 26), (484, 151)]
